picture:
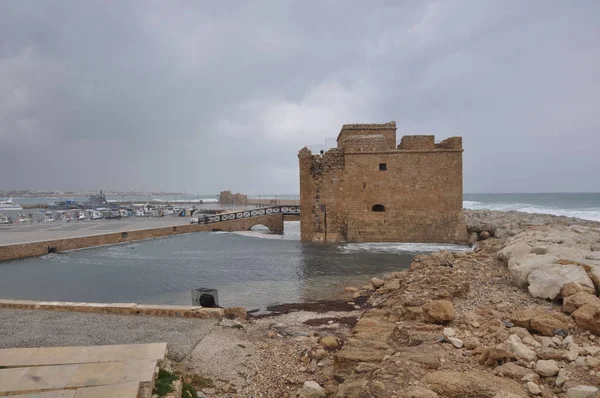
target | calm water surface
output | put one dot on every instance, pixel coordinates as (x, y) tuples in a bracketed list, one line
[(249, 269)]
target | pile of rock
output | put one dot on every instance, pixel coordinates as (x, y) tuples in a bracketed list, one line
[(559, 262), (516, 317), (457, 324)]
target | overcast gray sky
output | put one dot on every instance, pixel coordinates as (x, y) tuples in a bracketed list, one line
[(209, 95)]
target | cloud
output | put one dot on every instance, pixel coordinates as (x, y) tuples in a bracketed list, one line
[(203, 96)]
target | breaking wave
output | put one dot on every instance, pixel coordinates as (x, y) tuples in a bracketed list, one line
[(401, 247), (589, 213)]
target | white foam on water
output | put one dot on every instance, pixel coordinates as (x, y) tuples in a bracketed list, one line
[(393, 247), (264, 234), (184, 200), (291, 231), (589, 213)]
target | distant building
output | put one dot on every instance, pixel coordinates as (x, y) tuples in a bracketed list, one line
[(370, 190), (230, 199)]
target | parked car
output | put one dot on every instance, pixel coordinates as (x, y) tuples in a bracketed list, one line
[(199, 218)]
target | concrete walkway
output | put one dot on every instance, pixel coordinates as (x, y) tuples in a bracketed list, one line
[(123, 370), (22, 233), (52, 356), (35, 328)]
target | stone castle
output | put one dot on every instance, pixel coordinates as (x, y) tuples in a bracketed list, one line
[(370, 190), (231, 199)]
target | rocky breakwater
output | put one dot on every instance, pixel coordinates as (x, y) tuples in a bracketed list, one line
[(559, 262), (517, 317)]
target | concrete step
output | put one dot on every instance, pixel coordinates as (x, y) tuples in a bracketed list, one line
[(32, 380), (125, 390), (28, 357)]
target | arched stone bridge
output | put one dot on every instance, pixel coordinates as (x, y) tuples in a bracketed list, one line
[(270, 217)]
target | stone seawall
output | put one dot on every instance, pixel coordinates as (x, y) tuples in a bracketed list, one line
[(39, 248)]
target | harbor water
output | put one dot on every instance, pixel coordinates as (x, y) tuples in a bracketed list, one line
[(253, 269)]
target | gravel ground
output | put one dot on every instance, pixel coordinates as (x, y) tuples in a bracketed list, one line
[(32, 328)]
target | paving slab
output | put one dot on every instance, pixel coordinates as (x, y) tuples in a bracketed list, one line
[(50, 394), (42, 378), (10, 377), (27, 357), (48, 378), (125, 390), (94, 374)]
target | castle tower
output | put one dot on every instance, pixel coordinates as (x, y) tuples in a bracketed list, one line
[(370, 190)]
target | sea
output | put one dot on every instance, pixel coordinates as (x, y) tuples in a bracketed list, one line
[(579, 205), (253, 269)]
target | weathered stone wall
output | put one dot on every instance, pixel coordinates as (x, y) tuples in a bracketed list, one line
[(420, 191), (365, 143), (417, 143), (231, 199), (11, 252), (387, 130)]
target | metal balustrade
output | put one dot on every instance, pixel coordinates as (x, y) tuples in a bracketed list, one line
[(265, 211)]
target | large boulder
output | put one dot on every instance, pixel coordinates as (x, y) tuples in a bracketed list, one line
[(545, 285), (546, 368), (377, 282), (575, 301), (572, 288), (547, 282), (474, 384), (515, 250), (521, 351), (520, 268), (512, 370), (548, 325), (439, 311), (522, 318), (588, 317), (593, 271), (312, 389), (582, 392)]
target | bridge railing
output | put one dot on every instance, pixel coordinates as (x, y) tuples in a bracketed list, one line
[(265, 211)]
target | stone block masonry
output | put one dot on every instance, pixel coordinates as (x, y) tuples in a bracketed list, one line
[(229, 198), (370, 190)]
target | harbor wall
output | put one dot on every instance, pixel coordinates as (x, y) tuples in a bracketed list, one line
[(39, 248), (179, 311)]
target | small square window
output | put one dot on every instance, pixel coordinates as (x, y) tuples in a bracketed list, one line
[(382, 166)]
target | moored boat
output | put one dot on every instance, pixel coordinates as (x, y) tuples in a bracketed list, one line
[(23, 219), (45, 216), (95, 202), (4, 219), (63, 205), (8, 204), (95, 215)]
